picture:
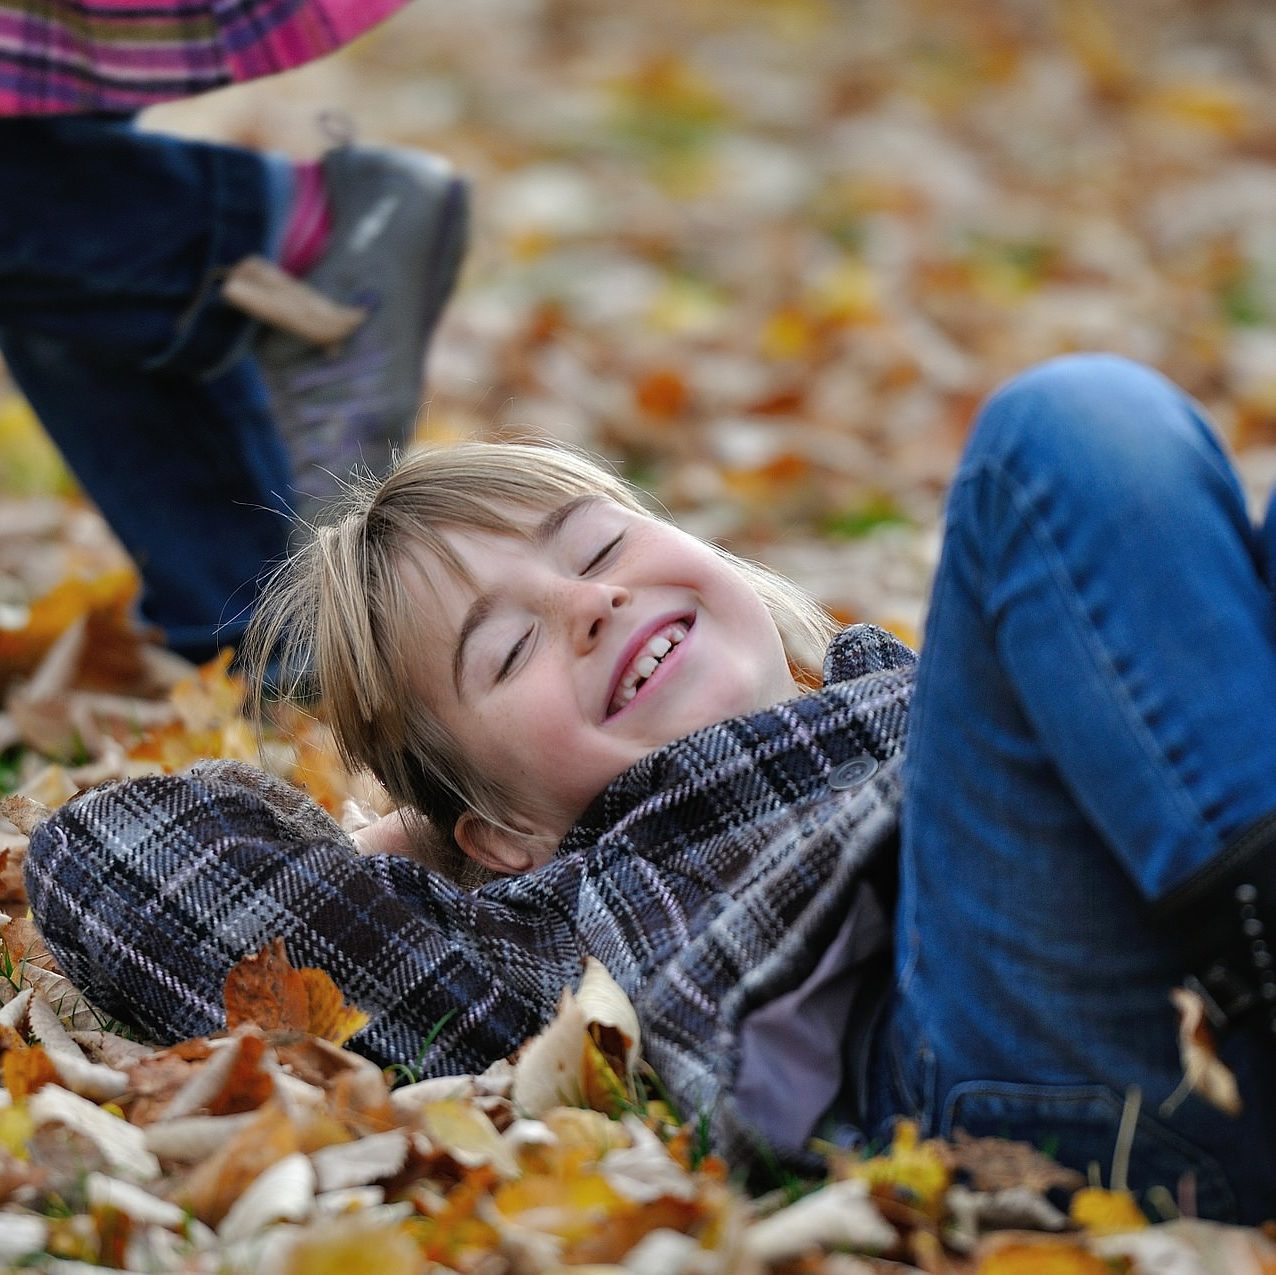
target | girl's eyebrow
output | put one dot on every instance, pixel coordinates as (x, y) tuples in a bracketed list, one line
[(542, 534)]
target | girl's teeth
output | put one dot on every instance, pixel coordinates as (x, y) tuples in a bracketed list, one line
[(643, 667)]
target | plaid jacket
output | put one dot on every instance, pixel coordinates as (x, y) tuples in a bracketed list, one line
[(74, 56), (708, 878)]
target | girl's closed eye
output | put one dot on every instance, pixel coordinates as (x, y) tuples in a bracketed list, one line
[(514, 652), (603, 554)]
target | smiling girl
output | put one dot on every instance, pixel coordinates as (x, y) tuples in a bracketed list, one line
[(608, 716)]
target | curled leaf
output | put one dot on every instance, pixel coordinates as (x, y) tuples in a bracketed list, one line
[(586, 1054), (1204, 1072), (840, 1215), (25, 813)]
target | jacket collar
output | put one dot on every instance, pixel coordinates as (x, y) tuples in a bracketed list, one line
[(746, 767)]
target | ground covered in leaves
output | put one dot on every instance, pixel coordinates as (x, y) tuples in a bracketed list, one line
[(767, 255)]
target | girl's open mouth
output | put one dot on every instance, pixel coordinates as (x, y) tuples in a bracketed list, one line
[(644, 662)]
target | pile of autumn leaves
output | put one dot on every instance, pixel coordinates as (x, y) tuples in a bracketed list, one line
[(269, 1148)]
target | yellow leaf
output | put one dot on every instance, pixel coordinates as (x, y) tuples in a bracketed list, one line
[(211, 696), (16, 1128), (346, 1246), (572, 1207), (21, 646), (605, 1091), (27, 1068), (1104, 1212), (1207, 107), (329, 1016), (917, 1172), (788, 334), (32, 465), (468, 1136)]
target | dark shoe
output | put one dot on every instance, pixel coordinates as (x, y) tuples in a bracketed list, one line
[(1226, 918), (399, 221)]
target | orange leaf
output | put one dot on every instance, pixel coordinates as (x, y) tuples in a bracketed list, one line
[(1042, 1258), (328, 1015), (247, 1086), (50, 615), (266, 990), (27, 1068), (219, 1181), (662, 393)]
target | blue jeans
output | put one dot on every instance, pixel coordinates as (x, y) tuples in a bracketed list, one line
[(1094, 721), (112, 244)]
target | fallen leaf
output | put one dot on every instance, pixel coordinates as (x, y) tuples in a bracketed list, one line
[(212, 1188), (247, 1084), (996, 1164), (285, 1192), (266, 991), (468, 1136), (327, 1014), (350, 1246), (27, 1069), (1203, 1071), (840, 1215), (1041, 1257), (25, 813), (1104, 1212), (915, 1172)]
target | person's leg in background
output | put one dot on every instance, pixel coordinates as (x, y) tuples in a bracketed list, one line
[(1092, 728), (111, 243), (194, 436)]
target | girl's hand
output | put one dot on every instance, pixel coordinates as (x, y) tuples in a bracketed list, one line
[(386, 835)]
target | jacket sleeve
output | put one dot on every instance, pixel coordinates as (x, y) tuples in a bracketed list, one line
[(149, 890)]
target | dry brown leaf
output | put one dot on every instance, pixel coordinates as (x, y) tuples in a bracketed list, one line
[(13, 854), (154, 1080), (248, 1084), (53, 614), (212, 1188), (266, 991), (25, 943), (24, 812), (995, 1164)]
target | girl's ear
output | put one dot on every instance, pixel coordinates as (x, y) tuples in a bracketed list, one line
[(497, 849)]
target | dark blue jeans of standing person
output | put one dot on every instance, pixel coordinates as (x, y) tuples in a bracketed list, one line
[(112, 246), (1095, 720)]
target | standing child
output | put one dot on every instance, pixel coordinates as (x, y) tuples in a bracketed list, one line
[(196, 430), (603, 711)]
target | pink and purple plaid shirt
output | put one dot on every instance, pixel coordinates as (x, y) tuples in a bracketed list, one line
[(74, 56)]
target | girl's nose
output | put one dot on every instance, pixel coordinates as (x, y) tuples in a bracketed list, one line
[(593, 603)]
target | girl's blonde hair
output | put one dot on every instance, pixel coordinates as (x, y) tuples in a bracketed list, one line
[(338, 619)]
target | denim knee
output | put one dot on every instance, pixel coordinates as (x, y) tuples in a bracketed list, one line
[(1099, 432)]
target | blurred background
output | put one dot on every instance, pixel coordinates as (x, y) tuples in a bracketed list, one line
[(768, 255)]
